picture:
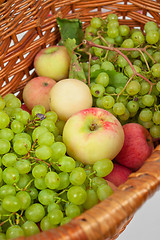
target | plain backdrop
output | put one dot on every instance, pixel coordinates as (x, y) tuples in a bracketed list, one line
[(145, 224)]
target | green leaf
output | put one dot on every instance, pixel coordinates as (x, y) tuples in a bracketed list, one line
[(76, 70), (116, 79), (70, 28)]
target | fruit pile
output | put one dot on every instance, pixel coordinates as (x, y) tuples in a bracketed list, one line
[(88, 120)]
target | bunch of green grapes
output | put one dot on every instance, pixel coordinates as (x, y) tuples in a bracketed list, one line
[(41, 187), (125, 82)]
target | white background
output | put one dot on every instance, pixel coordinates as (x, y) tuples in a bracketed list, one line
[(145, 224)]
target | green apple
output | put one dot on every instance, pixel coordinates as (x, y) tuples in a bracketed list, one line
[(93, 134), (69, 96), (53, 62)]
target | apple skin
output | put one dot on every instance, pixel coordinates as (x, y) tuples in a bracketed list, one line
[(119, 174), (138, 146), (69, 96), (93, 134), (36, 92), (24, 107), (52, 62)]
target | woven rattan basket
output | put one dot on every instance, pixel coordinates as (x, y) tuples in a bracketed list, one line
[(26, 26)]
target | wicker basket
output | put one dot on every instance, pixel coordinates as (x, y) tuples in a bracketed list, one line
[(26, 26)]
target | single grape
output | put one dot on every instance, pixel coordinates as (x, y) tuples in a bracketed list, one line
[(46, 138), (7, 190), (155, 131), (72, 210), (103, 167), (112, 16), (52, 180), (30, 228), (132, 106), (77, 176), (119, 108), (90, 29), (124, 30), (125, 116), (110, 89), (129, 72), (113, 32), (39, 183), (6, 133), (99, 52), (10, 175), (110, 41), (145, 87), (55, 217), (60, 125), (107, 102), (64, 180), (135, 54), (21, 146), (2, 103), (104, 191), (43, 152), (138, 38), (51, 115), (106, 65), (33, 192), (53, 206), (127, 43), (121, 61), (155, 69), (14, 231), (46, 196), (4, 120), (24, 198), (103, 79), (49, 124), (45, 224), (148, 100), (91, 200), (13, 102), (156, 56), (35, 212), (39, 171), (145, 115), (9, 159), (152, 37), (133, 87), (38, 109), (156, 117), (66, 164), (138, 63), (22, 135), (24, 179), (77, 195), (58, 150), (23, 166), (97, 90), (94, 68), (99, 102), (11, 203), (17, 126), (150, 26), (23, 116)]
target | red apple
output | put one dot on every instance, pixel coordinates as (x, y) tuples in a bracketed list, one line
[(53, 62), (93, 134), (24, 107), (118, 175), (36, 92), (138, 146)]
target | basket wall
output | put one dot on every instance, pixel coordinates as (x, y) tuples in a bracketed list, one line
[(26, 26)]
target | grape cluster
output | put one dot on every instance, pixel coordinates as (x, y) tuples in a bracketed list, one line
[(124, 70), (41, 187)]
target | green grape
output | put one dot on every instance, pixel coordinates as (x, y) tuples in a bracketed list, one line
[(145, 115), (10, 175), (91, 200), (49, 124), (46, 138), (125, 116), (109, 40), (106, 65), (156, 117), (141, 105), (45, 224), (99, 102), (112, 16), (7, 190), (58, 150), (60, 125), (38, 131), (6, 133), (104, 191), (85, 66), (53, 206), (103, 167), (147, 124), (124, 30), (72, 210), (127, 43), (23, 116), (22, 135), (119, 40), (46, 196), (11, 203), (129, 72), (17, 126), (55, 216), (113, 32), (39, 183), (13, 102), (64, 180), (52, 180), (150, 26), (43, 152), (65, 220), (156, 56), (99, 52), (38, 109), (111, 57), (135, 54), (138, 63), (119, 108), (138, 38), (33, 192), (155, 131), (2, 236), (23, 166), (77, 195), (90, 29), (119, 89), (94, 68), (1, 177), (9, 96), (123, 99), (148, 100), (152, 37), (145, 87), (113, 23), (103, 79), (155, 69), (66, 164), (133, 87), (9, 159), (24, 179), (110, 89), (155, 91), (30, 228), (121, 61), (77, 176), (14, 231), (2, 103), (21, 146), (51, 115), (97, 90), (39, 171), (132, 106), (35, 212), (4, 120), (108, 102), (24, 198)]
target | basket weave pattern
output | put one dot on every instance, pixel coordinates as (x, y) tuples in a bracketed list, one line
[(26, 26)]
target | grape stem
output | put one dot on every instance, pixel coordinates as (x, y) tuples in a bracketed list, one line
[(118, 50)]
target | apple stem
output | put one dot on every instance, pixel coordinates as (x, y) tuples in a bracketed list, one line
[(93, 127)]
